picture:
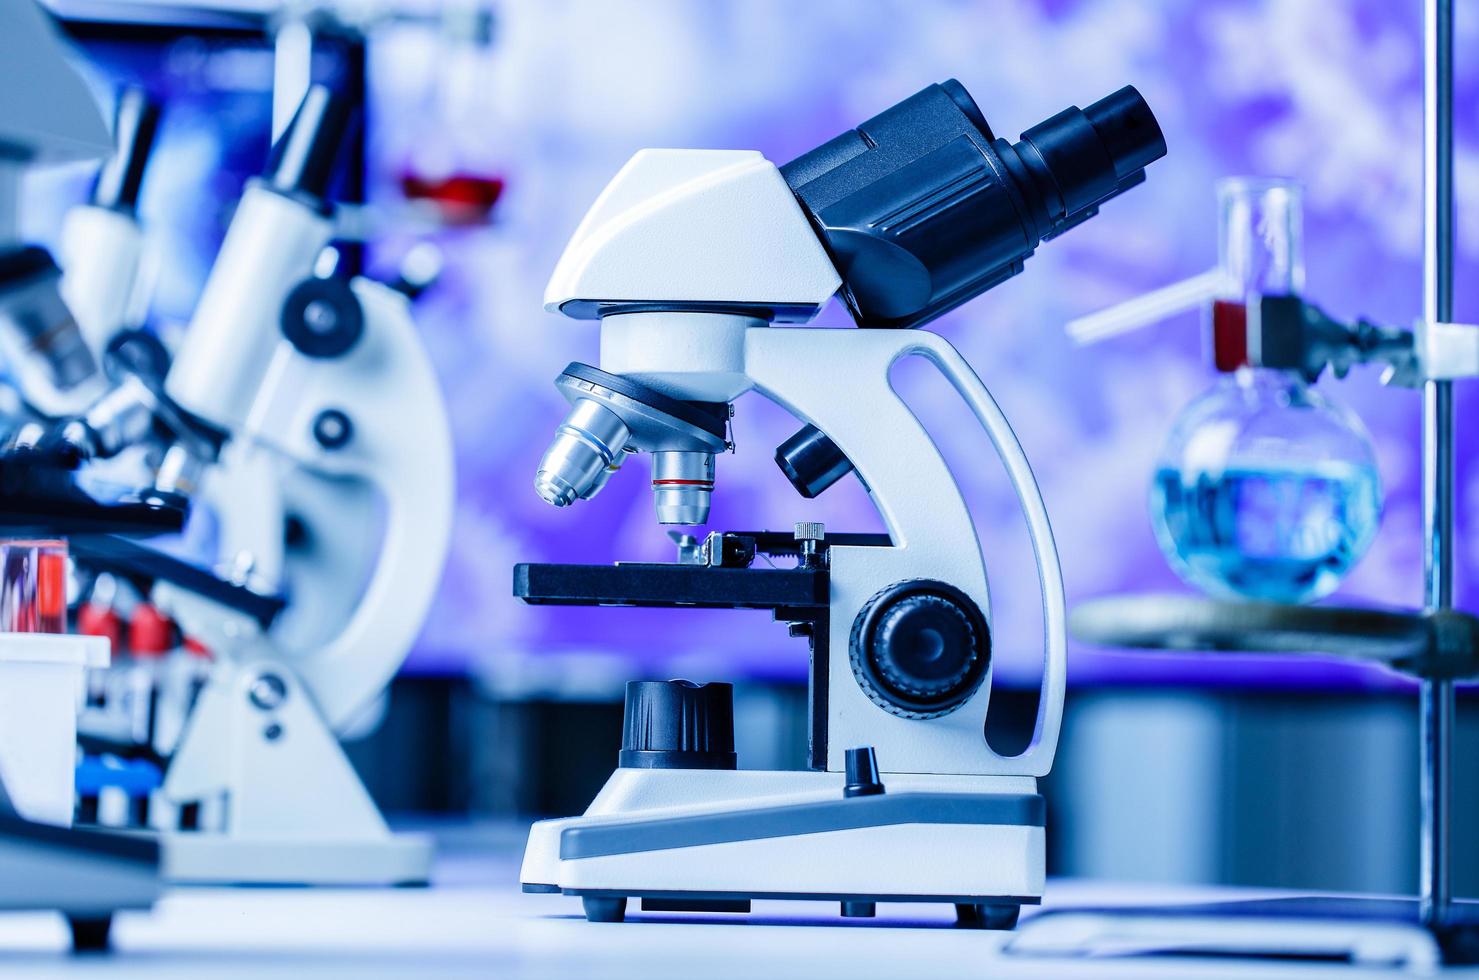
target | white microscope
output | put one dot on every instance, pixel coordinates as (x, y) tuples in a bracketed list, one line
[(687, 259), (310, 403)]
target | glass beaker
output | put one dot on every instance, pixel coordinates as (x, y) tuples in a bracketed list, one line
[(33, 586)]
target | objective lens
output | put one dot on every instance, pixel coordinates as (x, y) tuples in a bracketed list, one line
[(37, 331), (586, 449), (682, 486)]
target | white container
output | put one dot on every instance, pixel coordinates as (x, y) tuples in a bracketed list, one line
[(41, 683)]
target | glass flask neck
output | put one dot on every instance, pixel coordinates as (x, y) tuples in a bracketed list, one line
[(1264, 378), (1260, 240), (1269, 386)]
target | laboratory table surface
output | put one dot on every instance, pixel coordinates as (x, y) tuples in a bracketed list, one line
[(474, 921)]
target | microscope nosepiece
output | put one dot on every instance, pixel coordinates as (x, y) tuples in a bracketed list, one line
[(587, 449)]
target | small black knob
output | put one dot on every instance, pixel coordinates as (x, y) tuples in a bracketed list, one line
[(862, 773), (322, 318), (920, 648), (332, 428), (678, 725), (811, 461)]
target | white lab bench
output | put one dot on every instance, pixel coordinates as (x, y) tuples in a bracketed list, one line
[(474, 921)]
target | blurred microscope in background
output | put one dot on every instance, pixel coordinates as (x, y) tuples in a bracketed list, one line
[(299, 418)]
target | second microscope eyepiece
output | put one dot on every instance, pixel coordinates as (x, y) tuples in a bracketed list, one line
[(922, 207), (303, 158)]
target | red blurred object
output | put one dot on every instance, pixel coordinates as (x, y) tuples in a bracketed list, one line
[(1229, 334), (51, 591), (98, 619), (462, 198), (197, 649), (150, 632)]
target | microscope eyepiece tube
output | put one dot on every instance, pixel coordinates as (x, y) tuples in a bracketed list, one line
[(304, 155), (588, 446), (682, 486), (135, 122), (280, 226), (978, 205)]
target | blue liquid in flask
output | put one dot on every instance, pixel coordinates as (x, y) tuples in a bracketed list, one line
[(1283, 532)]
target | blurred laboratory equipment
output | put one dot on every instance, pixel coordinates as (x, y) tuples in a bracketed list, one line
[(102, 246), (1438, 645), (686, 259), (1265, 488), (304, 401), (87, 875), (455, 169)]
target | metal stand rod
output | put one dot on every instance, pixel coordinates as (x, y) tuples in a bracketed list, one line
[(1436, 708)]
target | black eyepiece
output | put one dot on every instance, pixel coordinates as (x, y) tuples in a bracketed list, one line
[(1128, 128), (922, 208), (135, 122), (1081, 157), (303, 157)]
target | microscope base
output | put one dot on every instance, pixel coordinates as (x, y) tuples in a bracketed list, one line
[(87, 875), (711, 841), (201, 858), (295, 811)]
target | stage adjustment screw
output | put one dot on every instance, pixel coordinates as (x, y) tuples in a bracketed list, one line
[(810, 535)]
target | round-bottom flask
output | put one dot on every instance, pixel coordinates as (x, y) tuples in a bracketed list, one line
[(1265, 490)]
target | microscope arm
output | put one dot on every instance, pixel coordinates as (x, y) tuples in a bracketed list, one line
[(914, 491), (399, 442)]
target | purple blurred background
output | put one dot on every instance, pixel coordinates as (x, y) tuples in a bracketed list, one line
[(1328, 93)]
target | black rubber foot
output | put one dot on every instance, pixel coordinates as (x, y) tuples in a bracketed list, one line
[(599, 909), (859, 910), (986, 916), (90, 934)]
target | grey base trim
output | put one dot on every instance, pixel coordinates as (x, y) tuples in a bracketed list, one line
[(701, 896), (536, 888), (791, 820)]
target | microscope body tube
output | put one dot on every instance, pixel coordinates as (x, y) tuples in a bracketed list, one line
[(271, 247), (101, 251)]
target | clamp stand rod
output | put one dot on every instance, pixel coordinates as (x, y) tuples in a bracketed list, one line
[(1437, 702)]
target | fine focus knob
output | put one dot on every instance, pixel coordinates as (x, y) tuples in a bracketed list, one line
[(678, 725), (920, 648)]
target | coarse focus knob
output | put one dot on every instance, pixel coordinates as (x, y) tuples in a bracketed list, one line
[(322, 318), (920, 648), (678, 725)]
